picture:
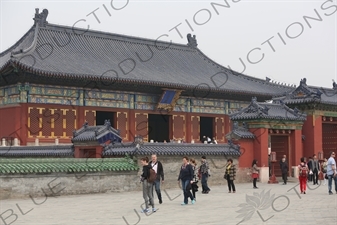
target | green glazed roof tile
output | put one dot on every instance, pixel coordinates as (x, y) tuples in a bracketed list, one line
[(71, 165)]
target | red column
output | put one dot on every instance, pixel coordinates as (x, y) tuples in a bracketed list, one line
[(296, 148), (247, 152), (77, 153), (261, 146), (99, 150), (312, 130), (188, 127)]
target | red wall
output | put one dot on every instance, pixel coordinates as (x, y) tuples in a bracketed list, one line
[(10, 122), (312, 130), (247, 152)]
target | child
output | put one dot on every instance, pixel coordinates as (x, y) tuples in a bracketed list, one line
[(147, 187)]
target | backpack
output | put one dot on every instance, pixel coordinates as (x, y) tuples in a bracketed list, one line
[(152, 176), (304, 171)]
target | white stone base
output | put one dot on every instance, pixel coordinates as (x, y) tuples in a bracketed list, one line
[(295, 171), (264, 174)]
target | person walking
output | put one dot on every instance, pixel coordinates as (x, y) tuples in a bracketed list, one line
[(147, 186), (331, 172), (315, 169), (158, 168), (324, 168), (284, 170), (309, 164), (303, 175), (186, 178), (195, 178), (230, 175), (255, 172), (204, 168)]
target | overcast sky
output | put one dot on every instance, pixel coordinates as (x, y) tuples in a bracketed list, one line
[(290, 45)]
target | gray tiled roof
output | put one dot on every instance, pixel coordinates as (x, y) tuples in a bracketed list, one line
[(242, 131), (309, 94), (37, 151), (100, 133), (75, 53), (273, 111), (171, 149)]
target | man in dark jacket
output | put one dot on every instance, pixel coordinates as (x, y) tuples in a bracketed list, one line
[(204, 169), (310, 169), (284, 170), (158, 167), (315, 169)]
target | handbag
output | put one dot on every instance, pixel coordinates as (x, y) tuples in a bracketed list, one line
[(326, 176)]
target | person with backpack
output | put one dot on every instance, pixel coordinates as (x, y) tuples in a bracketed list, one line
[(147, 178), (204, 171), (158, 168), (303, 175), (186, 178)]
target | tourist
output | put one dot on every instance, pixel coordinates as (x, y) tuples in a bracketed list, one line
[(230, 175), (195, 178), (147, 187), (315, 169), (331, 172), (186, 177), (209, 140), (255, 173), (324, 167), (158, 168), (309, 164), (214, 141), (204, 168), (204, 140), (281, 162), (269, 164), (284, 170), (303, 175)]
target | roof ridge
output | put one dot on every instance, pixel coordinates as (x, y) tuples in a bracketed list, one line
[(16, 44), (115, 36)]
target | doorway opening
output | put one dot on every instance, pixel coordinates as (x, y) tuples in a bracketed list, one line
[(206, 127), (159, 127), (101, 116)]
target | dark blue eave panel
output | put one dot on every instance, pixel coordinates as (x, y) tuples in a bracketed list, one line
[(168, 97), (109, 136)]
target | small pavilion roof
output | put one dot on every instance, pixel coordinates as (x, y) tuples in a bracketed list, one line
[(309, 94), (240, 132), (272, 111), (100, 134)]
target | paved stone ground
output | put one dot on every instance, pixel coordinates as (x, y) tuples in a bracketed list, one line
[(270, 204)]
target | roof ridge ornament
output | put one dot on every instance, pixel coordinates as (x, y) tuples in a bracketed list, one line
[(334, 85), (41, 18), (303, 82), (40, 21), (192, 41)]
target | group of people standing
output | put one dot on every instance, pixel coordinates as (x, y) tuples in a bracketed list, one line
[(309, 171), (189, 176)]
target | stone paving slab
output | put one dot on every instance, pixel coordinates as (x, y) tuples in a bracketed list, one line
[(281, 205)]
